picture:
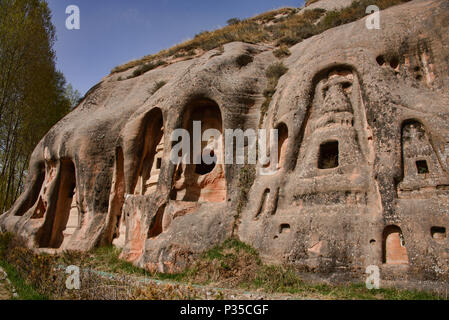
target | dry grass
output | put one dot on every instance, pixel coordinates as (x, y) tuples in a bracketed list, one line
[(102, 276), (282, 52), (233, 265), (147, 67), (158, 85), (228, 265), (249, 31), (281, 27)]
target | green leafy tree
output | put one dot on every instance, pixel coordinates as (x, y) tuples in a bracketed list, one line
[(32, 92), (73, 95)]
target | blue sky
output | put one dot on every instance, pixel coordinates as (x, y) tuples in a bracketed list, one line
[(116, 31)]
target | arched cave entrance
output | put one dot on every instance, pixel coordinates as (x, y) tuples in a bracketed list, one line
[(51, 234), (156, 227), (394, 250), (153, 149), (202, 182), (117, 225), (282, 144)]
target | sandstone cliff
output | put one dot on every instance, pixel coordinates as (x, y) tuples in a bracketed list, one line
[(363, 175)]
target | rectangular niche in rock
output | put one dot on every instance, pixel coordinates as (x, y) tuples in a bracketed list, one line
[(328, 158), (422, 167), (438, 233)]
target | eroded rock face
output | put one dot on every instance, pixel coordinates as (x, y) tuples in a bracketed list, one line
[(363, 172)]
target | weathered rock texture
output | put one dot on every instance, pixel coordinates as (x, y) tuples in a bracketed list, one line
[(364, 149)]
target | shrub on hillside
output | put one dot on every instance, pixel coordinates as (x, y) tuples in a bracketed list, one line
[(282, 52), (157, 86), (275, 71), (233, 21), (147, 67)]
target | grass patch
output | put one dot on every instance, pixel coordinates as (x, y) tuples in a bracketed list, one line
[(147, 67), (297, 28), (232, 264), (229, 248), (229, 264), (282, 52), (235, 264), (358, 291), (107, 259), (158, 85), (182, 54), (275, 72), (276, 279), (23, 289)]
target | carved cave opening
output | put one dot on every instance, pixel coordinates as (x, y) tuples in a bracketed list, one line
[(156, 227), (330, 138), (262, 204), (438, 233), (329, 155), (422, 167), (394, 63), (153, 148), (202, 182), (418, 155), (52, 233), (117, 225), (282, 144), (380, 60), (284, 228), (394, 250)]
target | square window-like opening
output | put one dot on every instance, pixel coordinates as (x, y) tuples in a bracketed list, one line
[(438, 233), (158, 163), (328, 157), (422, 167)]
